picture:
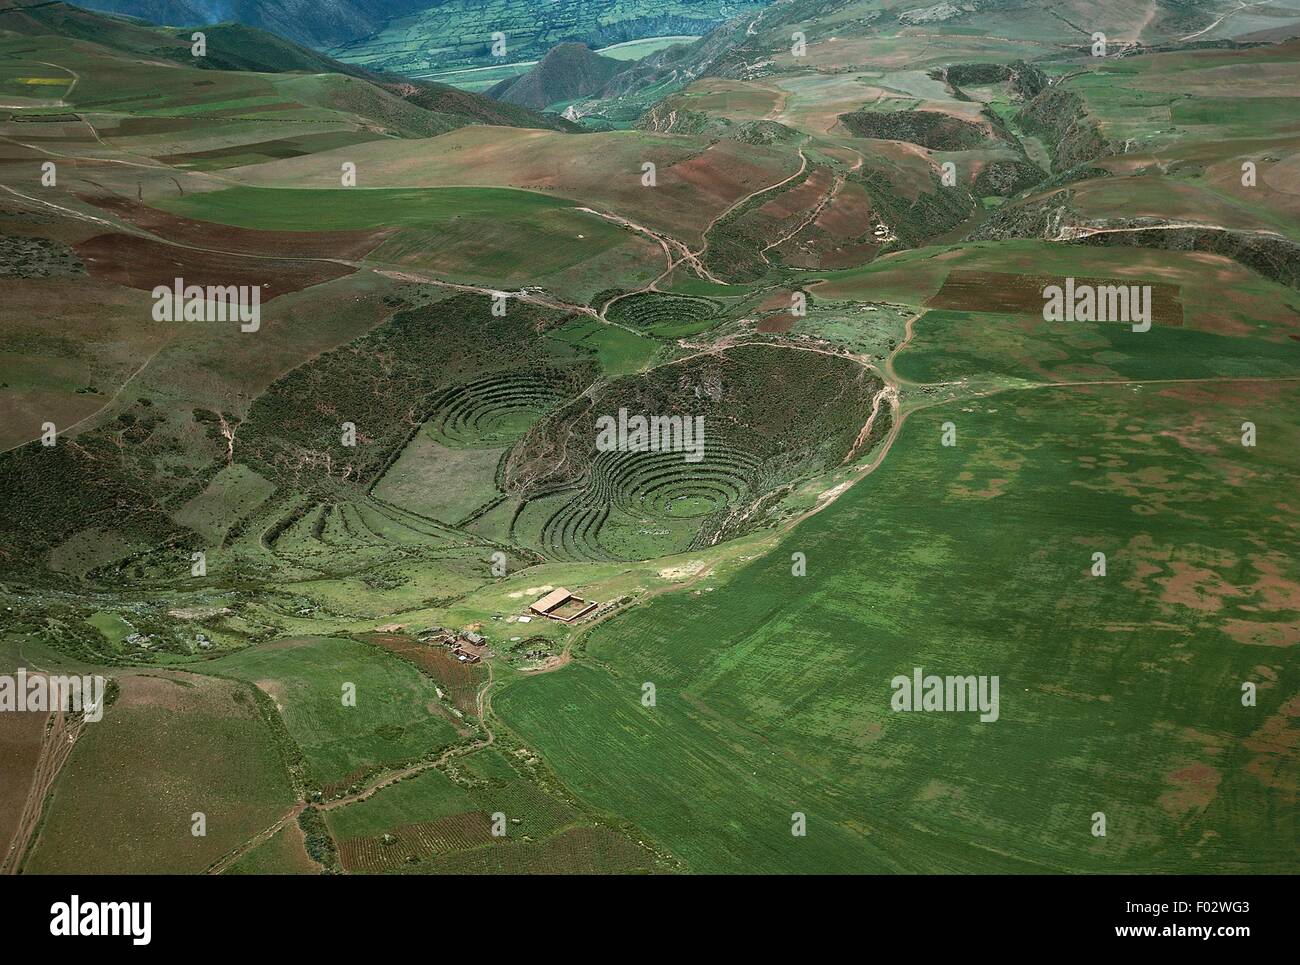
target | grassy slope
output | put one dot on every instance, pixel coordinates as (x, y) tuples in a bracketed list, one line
[(696, 179), (390, 723), (323, 210), (165, 750), (421, 109), (1118, 694), (490, 236)]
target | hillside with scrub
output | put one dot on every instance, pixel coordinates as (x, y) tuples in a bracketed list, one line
[(552, 462)]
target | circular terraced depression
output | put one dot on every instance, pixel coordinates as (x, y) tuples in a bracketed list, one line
[(662, 314), (647, 486), (495, 409)]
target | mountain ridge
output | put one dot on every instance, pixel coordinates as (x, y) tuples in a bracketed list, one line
[(567, 71), (239, 47)]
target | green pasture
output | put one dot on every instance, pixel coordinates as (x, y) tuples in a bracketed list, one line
[(952, 345), (1119, 694), (166, 749), (491, 236), (390, 723), (332, 209)]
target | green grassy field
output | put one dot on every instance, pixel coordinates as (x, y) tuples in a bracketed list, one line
[(492, 236), (619, 351), (425, 797), (324, 209), (167, 749), (1118, 694), (392, 720), (329, 565), (954, 345), (447, 484)]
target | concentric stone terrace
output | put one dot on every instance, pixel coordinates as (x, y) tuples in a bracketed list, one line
[(663, 314), (497, 408), (646, 486)]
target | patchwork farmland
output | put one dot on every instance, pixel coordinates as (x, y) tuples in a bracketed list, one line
[(582, 478)]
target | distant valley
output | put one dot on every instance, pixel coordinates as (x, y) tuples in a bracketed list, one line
[(421, 37)]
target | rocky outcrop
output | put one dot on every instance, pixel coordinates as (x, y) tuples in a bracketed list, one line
[(1060, 119), (1042, 218)]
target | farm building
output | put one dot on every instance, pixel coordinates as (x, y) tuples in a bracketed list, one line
[(562, 605)]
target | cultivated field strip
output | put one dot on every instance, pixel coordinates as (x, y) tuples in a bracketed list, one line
[(378, 853)]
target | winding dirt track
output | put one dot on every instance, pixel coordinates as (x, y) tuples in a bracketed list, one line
[(1205, 30), (61, 732), (689, 256)]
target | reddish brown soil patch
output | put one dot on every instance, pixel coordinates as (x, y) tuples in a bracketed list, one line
[(1285, 634), (1277, 746), (778, 324), (21, 736), (1197, 437), (460, 681), (993, 291), (797, 202), (139, 126), (1274, 590), (348, 245), (847, 256), (848, 215), (144, 264), (1193, 790), (1196, 587)]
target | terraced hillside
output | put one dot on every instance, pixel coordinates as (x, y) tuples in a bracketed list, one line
[(384, 575), (763, 433)]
